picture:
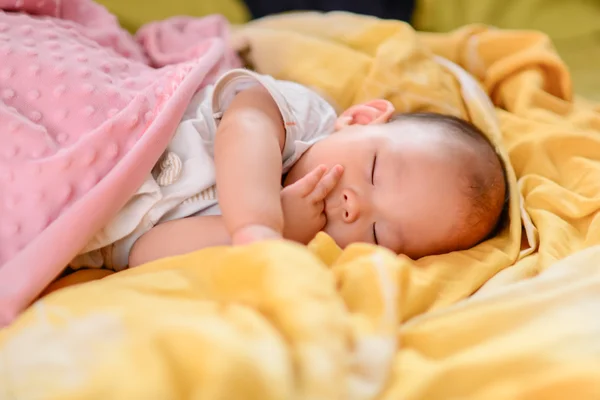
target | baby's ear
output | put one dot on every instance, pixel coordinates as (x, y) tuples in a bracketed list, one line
[(376, 111)]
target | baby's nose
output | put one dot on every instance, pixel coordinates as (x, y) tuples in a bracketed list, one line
[(350, 207)]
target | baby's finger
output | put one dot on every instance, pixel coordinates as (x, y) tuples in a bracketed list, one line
[(305, 185), (322, 221), (318, 206), (327, 183)]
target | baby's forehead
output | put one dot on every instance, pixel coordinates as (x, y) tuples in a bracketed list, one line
[(410, 126), (434, 135)]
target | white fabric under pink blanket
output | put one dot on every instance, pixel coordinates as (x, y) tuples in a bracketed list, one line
[(86, 110)]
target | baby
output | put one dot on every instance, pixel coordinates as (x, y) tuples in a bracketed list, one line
[(285, 166)]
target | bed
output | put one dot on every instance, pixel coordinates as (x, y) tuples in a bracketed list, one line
[(515, 317)]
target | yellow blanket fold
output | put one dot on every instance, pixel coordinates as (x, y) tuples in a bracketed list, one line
[(513, 318)]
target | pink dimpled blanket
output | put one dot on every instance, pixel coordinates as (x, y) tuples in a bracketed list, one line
[(85, 112)]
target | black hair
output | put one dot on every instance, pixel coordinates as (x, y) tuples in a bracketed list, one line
[(483, 185)]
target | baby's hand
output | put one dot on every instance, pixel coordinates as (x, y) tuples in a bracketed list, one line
[(303, 203)]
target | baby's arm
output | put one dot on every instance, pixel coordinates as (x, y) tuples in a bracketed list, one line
[(179, 236), (248, 162)]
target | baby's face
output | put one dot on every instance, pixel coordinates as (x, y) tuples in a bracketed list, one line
[(400, 188)]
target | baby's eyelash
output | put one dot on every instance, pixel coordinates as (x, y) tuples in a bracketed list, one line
[(375, 235), (373, 169)]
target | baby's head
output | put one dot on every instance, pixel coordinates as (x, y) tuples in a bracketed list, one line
[(419, 184)]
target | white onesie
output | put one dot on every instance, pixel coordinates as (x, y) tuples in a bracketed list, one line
[(183, 181)]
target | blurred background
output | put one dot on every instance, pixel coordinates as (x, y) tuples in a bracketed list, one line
[(573, 25)]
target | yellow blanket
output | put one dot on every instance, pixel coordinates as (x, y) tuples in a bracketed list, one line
[(509, 319)]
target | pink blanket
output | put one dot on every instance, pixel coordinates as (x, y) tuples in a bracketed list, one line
[(86, 110)]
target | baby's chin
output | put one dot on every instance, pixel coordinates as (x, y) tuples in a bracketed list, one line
[(333, 236)]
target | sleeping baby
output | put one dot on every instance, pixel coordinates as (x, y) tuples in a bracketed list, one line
[(255, 158)]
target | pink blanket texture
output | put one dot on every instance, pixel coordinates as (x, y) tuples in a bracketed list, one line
[(85, 112)]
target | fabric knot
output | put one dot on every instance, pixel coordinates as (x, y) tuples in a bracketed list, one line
[(170, 168)]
